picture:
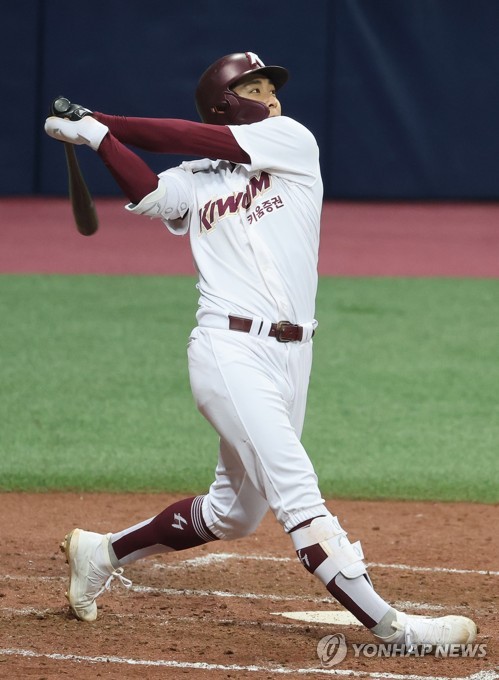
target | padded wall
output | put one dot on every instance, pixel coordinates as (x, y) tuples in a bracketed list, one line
[(401, 94)]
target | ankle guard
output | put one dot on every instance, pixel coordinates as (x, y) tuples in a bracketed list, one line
[(325, 551)]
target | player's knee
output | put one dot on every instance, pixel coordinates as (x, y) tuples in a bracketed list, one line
[(230, 527), (226, 528)]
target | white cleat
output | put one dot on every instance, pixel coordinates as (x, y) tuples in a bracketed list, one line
[(413, 631), (90, 571), (87, 130)]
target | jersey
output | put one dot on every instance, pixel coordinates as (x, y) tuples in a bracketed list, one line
[(254, 227)]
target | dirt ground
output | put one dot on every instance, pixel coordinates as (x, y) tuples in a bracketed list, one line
[(216, 611)]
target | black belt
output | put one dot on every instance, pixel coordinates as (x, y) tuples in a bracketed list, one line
[(282, 331)]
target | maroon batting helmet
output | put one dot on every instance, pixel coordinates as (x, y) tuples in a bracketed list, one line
[(215, 101)]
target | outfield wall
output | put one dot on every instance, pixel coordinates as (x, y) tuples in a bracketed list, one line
[(401, 94)]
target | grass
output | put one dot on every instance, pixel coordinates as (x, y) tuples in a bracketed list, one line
[(404, 399)]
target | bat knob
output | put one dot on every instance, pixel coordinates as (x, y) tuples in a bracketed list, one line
[(60, 106), (63, 108)]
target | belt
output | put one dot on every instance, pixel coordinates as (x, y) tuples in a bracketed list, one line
[(282, 331)]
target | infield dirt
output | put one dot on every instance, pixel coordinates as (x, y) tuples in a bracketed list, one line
[(224, 610)]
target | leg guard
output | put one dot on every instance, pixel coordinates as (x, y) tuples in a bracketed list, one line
[(325, 551)]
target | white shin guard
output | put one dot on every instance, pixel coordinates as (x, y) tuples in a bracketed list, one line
[(329, 550)]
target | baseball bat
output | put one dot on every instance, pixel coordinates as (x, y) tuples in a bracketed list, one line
[(82, 203)]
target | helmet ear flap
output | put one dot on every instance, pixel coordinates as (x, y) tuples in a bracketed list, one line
[(241, 111), (221, 107)]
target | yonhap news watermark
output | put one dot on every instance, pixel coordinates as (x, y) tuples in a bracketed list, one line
[(332, 650)]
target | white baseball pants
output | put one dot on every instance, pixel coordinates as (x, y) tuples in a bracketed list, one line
[(254, 392)]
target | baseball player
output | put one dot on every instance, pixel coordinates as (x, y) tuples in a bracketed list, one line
[(251, 205)]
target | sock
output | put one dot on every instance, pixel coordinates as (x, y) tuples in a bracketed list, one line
[(178, 527), (359, 597), (384, 628), (355, 594)]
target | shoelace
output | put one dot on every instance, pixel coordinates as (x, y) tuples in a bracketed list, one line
[(411, 637), (117, 573)]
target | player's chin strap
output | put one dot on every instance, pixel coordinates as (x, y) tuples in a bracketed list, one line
[(325, 551)]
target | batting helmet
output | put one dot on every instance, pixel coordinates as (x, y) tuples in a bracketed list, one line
[(215, 101)]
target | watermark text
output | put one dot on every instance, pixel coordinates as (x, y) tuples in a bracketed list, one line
[(332, 650)]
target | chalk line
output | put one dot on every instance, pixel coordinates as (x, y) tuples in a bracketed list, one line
[(277, 670), (213, 558)]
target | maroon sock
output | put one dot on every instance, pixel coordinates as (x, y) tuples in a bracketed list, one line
[(178, 527), (356, 595)]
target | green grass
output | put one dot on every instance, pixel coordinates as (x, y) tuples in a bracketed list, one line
[(404, 397)]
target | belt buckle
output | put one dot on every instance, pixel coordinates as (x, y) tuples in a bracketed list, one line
[(280, 331)]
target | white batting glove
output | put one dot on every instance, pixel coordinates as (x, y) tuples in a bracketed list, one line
[(87, 131)]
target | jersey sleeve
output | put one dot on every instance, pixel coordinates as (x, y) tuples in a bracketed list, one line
[(171, 201), (280, 146), (172, 135)]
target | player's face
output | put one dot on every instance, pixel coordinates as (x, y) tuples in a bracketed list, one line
[(261, 90)]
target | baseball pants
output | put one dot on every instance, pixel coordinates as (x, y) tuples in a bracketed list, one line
[(254, 391)]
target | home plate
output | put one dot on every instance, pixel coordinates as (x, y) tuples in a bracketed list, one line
[(337, 618)]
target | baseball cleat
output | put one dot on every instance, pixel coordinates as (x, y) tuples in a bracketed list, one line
[(83, 131), (413, 631), (90, 571), (63, 108)]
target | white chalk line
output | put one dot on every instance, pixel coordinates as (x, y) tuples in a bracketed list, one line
[(30, 577), (263, 625), (227, 593), (444, 570), (52, 611), (180, 592), (277, 670), (206, 593), (274, 598), (213, 558)]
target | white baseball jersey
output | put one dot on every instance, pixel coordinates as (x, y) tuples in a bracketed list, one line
[(254, 228)]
